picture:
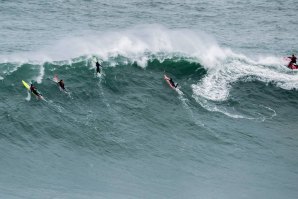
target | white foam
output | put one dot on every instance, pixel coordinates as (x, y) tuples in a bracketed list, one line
[(28, 98), (231, 68), (11, 69), (134, 43), (41, 74), (270, 110), (217, 83), (140, 44), (185, 102), (214, 108)]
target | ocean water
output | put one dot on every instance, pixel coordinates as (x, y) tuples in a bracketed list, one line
[(228, 131)]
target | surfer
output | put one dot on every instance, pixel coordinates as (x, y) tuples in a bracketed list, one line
[(293, 59), (97, 67), (172, 83), (292, 63), (33, 90), (61, 84)]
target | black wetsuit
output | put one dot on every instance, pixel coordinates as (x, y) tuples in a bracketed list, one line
[(292, 64), (61, 84), (172, 83), (33, 90), (97, 67), (293, 60)]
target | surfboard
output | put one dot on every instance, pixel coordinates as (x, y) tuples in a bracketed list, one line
[(55, 78), (293, 66), (26, 85), (28, 88), (168, 81)]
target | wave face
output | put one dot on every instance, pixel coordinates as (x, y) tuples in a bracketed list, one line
[(228, 131), (120, 127)]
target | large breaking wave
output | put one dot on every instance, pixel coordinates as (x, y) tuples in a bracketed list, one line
[(208, 70)]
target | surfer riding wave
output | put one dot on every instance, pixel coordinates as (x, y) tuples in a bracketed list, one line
[(170, 81), (292, 63)]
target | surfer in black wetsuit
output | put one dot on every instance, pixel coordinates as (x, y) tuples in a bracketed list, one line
[(172, 83), (292, 63), (33, 90), (97, 67), (61, 84), (293, 59)]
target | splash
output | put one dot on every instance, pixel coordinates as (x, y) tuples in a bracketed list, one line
[(137, 44), (216, 85), (41, 74), (28, 98), (144, 43)]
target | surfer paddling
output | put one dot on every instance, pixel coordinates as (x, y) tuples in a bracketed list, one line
[(34, 90), (59, 82)]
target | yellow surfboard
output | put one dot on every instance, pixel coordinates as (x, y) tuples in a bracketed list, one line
[(26, 85), (28, 88)]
